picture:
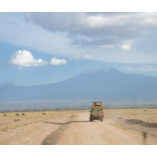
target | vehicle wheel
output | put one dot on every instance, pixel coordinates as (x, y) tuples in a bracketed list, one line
[(90, 119)]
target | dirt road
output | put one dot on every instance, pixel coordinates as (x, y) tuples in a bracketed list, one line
[(79, 131), (75, 129)]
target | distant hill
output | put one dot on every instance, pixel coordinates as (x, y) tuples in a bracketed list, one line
[(108, 84)]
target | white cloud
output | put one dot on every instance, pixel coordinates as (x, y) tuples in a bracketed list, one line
[(125, 47), (55, 61), (24, 58), (111, 41), (94, 21), (88, 56)]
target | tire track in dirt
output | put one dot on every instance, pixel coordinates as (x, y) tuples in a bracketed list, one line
[(141, 122), (54, 136)]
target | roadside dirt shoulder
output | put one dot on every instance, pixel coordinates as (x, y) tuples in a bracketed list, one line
[(32, 133)]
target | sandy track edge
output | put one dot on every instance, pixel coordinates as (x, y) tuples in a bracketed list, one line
[(54, 136)]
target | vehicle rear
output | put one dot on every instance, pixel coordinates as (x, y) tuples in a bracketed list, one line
[(97, 112)]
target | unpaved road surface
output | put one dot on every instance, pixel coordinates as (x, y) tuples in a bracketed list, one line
[(79, 131), (75, 129)]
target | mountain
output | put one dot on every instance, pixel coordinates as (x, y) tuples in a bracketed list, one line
[(108, 84)]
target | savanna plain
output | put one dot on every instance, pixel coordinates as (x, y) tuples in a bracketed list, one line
[(127, 126)]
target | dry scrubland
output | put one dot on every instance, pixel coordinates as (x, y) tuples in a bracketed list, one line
[(12, 120), (30, 128), (120, 126), (145, 114)]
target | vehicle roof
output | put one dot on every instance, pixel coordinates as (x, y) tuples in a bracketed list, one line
[(97, 102)]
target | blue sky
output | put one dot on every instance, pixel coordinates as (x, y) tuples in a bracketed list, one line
[(39, 48)]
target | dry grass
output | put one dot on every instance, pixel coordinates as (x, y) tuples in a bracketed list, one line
[(11, 121), (145, 114), (136, 119)]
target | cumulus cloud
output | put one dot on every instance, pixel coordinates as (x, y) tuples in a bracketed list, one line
[(24, 58), (55, 61)]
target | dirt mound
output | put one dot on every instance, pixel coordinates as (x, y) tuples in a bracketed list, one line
[(141, 122)]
